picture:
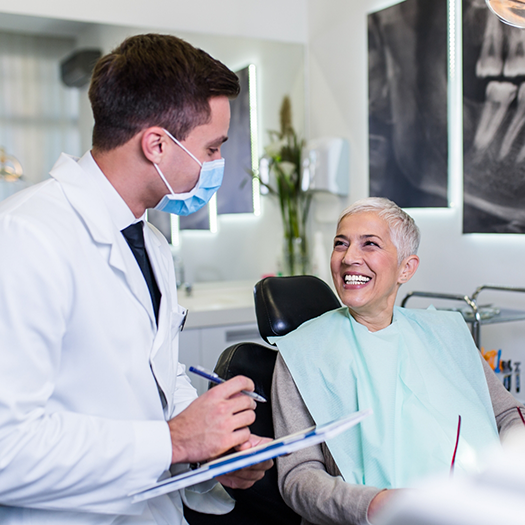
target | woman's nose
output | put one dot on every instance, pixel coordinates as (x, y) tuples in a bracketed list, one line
[(351, 256)]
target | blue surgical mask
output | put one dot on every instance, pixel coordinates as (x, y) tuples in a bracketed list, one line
[(210, 180)]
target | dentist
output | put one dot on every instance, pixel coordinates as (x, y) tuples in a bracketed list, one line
[(93, 402)]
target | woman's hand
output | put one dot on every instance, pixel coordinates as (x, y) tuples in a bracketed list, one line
[(379, 502), (246, 477)]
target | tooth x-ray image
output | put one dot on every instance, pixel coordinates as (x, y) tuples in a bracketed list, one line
[(408, 144), (493, 122)]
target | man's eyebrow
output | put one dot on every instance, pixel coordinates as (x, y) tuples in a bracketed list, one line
[(217, 142)]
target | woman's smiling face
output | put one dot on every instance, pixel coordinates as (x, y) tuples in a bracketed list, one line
[(365, 267)]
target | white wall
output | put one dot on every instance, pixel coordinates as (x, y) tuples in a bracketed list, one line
[(338, 95), (282, 20)]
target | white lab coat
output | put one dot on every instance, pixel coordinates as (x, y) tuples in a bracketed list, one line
[(81, 421)]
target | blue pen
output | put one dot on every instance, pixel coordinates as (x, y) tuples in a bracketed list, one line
[(214, 378)]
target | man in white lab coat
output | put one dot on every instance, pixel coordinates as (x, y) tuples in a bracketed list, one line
[(93, 402)]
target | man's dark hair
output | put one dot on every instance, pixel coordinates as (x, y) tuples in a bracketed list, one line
[(154, 80)]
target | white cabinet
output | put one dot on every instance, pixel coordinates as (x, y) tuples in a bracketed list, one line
[(220, 315), (203, 346)]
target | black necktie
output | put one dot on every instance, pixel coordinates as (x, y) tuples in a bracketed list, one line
[(134, 235)]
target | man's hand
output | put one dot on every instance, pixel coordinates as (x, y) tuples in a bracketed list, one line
[(246, 477), (214, 423)]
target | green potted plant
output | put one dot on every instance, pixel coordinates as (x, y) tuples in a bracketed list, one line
[(283, 157)]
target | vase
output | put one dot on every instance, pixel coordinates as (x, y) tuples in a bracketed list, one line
[(294, 212)]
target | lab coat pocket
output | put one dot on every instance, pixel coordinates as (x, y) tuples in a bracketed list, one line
[(178, 320), (164, 363)]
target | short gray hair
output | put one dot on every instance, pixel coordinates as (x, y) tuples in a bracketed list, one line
[(404, 232)]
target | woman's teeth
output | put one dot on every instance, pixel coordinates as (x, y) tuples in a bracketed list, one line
[(356, 279)]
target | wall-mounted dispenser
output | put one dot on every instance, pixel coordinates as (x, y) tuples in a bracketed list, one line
[(76, 69), (326, 165)]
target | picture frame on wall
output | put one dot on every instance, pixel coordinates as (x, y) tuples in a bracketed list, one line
[(493, 122), (408, 115)]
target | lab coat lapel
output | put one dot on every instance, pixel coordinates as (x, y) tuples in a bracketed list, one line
[(160, 266), (83, 196), (163, 356)]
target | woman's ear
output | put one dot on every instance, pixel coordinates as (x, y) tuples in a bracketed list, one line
[(153, 144), (408, 268)]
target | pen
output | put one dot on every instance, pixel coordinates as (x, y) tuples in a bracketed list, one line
[(214, 378)]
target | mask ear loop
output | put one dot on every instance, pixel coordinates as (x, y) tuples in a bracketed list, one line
[(179, 144), (163, 178)]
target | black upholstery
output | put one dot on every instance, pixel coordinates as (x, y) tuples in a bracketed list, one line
[(281, 305), (284, 303), (262, 503), (256, 362)]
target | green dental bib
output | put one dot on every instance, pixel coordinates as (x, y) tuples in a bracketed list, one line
[(418, 375)]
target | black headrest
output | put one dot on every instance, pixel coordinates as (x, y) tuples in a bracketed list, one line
[(282, 304)]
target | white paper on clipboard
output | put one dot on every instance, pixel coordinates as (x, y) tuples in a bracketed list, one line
[(278, 447)]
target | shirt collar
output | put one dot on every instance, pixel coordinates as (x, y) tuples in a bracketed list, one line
[(120, 213)]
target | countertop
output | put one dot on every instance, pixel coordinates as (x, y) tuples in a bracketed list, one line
[(218, 304)]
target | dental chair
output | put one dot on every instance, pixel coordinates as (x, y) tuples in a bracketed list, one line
[(281, 305)]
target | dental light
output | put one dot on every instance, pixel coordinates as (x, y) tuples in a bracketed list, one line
[(511, 12)]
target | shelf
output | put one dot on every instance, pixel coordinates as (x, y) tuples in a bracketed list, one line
[(505, 315)]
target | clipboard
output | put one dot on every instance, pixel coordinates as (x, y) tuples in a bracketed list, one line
[(238, 460)]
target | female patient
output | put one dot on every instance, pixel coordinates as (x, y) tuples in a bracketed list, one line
[(419, 371)]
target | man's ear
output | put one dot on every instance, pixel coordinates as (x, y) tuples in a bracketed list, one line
[(408, 268), (153, 143)]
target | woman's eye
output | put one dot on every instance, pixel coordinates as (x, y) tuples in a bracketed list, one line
[(371, 243), (213, 151)]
